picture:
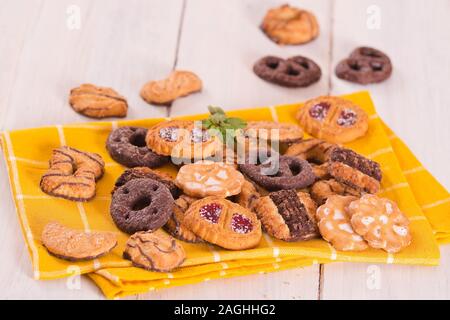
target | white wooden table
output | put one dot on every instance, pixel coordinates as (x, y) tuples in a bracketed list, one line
[(45, 50)]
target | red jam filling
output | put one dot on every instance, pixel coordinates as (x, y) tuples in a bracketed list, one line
[(319, 111), (347, 118), (211, 212), (169, 134), (241, 224)]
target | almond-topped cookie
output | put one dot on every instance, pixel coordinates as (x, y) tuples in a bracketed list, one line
[(224, 223)]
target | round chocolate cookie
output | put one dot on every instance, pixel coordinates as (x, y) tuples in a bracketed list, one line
[(141, 205), (296, 71), (293, 173), (127, 146), (365, 65)]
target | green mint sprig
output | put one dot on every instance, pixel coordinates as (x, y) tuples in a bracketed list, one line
[(218, 122)]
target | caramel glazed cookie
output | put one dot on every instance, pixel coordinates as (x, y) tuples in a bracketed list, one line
[(365, 65), (333, 119), (288, 215), (141, 205), (294, 72), (72, 174)]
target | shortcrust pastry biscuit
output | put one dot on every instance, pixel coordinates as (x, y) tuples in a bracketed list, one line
[(269, 130), (176, 226), (321, 190)]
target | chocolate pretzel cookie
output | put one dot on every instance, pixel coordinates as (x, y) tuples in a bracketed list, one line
[(292, 173), (288, 215), (127, 146), (365, 65), (297, 71), (352, 169)]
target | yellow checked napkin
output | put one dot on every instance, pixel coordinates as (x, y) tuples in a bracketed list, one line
[(403, 181)]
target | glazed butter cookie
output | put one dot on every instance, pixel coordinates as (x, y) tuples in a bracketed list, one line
[(334, 224), (154, 251), (321, 190), (333, 119), (97, 102), (181, 139), (209, 178), (72, 174), (269, 130), (381, 223), (293, 72), (224, 223), (141, 205), (289, 25), (365, 65), (127, 146), (288, 215), (176, 226)]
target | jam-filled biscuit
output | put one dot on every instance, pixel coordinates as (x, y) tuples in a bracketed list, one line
[(209, 178), (290, 173), (333, 119), (288, 215), (381, 223), (224, 223), (354, 170), (334, 224), (321, 190), (72, 174), (127, 146), (176, 226), (365, 65), (269, 130), (154, 251), (141, 205), (290, 25), (181, 139)]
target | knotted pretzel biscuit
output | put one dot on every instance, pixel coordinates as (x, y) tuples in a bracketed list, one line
[(177, 84), (333, 119), (97, 102), (293, 72), (154, 251), (288, 215), (321, 190), (365, 65), (224, 223), (381, 223), (289, 25), (269, 130), (176, 226), (72, 174), (208, 178), (76, 245), (334, 224), (181, 139)]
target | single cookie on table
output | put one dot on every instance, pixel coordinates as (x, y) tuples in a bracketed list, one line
[(177, 84), (321, 190), (333, 119), (248, 196), (127, 146), (147, 173), (293, 72), (288, 215), (181, 139), (365, 65), (76, 245), (334, 224), (72, 174), (141, 205), (154, 251), (289, 173), (354, 170), (290, 25), (269, 130), (97, 102), (176, 226), (208, 178), (381, 223), (224, 223)]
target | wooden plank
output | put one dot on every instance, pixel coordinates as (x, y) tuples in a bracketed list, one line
[(414, 102), (41, 60)]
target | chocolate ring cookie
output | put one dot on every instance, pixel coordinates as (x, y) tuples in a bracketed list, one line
[(294, 72), (365, 65), (141, 205), (293, 173), (127, 146)]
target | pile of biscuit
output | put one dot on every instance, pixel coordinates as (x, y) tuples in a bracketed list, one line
[(305, 189)]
